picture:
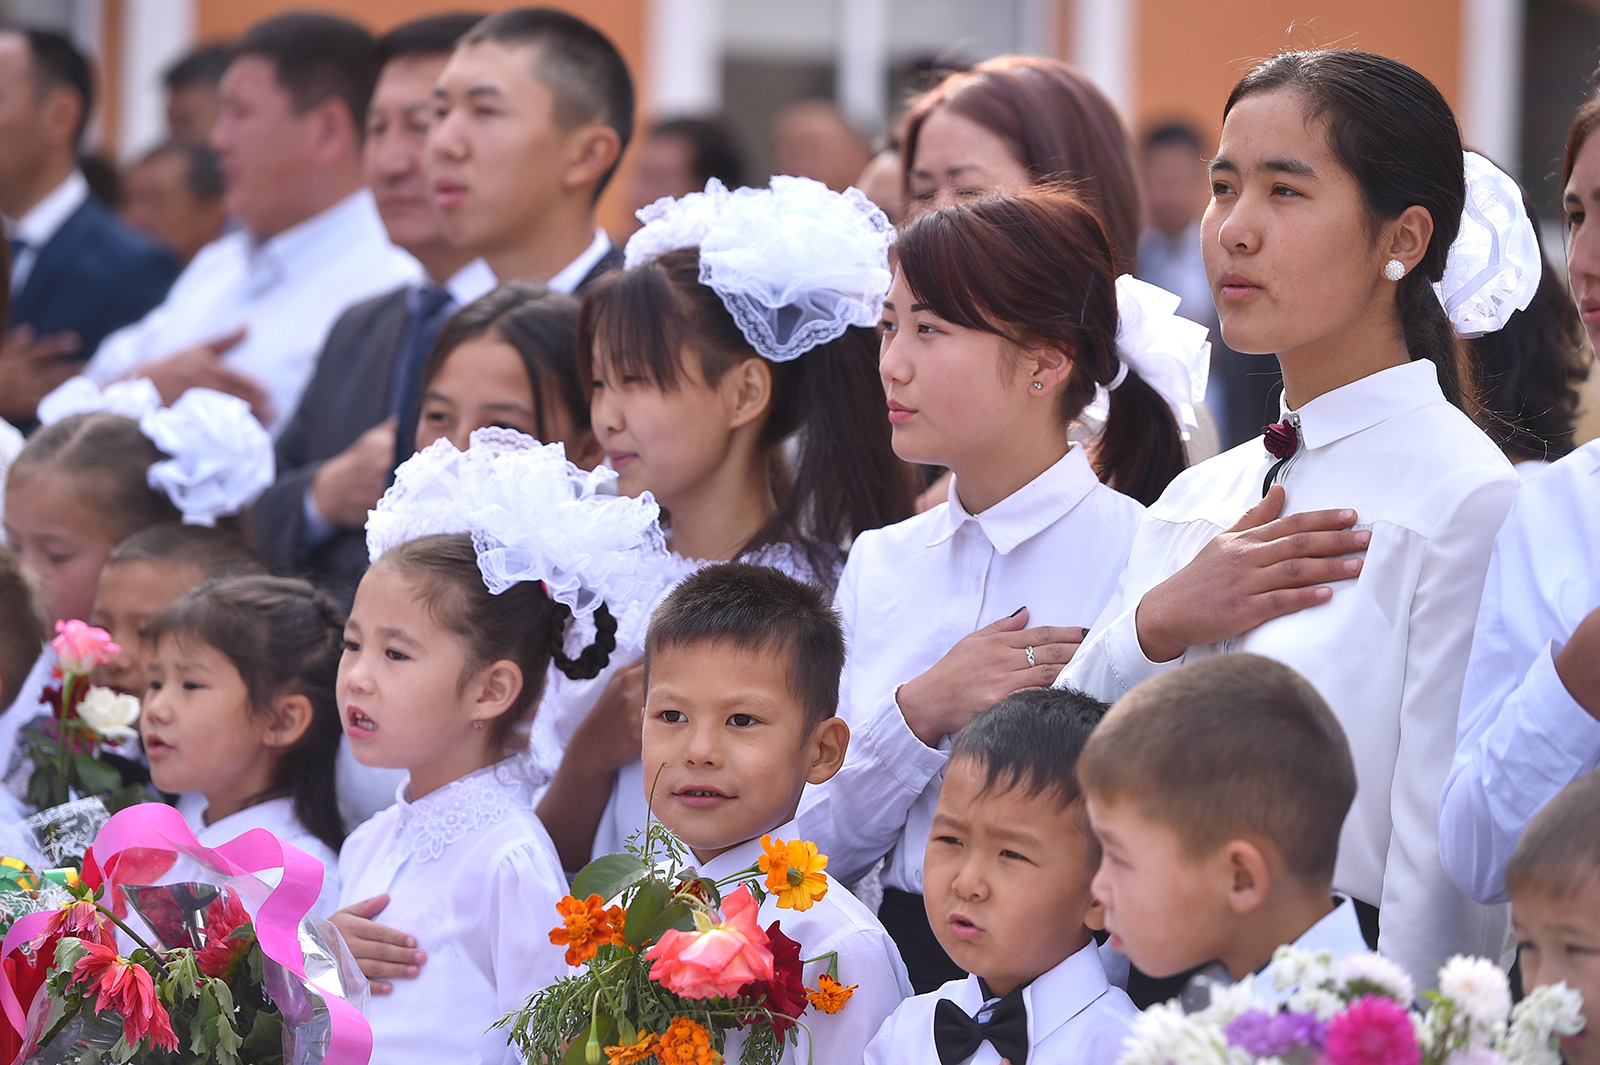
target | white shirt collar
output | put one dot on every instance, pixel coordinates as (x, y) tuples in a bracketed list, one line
[(280, 256), (1362, 404), (572, 275), (48, 215), (744, 855), (470, 282), (1026, 512), (271, 815), (1339, 933), (1054, 997)]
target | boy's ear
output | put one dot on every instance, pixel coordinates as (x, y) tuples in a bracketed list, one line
[(1094, 918), (825, 749), (1249, 877), (291, 716), (498, 687)]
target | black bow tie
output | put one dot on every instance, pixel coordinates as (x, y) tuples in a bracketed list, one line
[(957, 1036)]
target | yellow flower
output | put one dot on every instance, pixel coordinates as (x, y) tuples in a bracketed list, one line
[(830, 995), (686, 1042), (586, 927), (794, 872), (633, 1052)]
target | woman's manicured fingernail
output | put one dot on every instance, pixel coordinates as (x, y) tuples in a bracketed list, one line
[(1017, 611)]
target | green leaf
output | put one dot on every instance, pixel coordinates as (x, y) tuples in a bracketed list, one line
[(678, 915), (95, 778), (577, 1053), (608, 876), (647, 904)]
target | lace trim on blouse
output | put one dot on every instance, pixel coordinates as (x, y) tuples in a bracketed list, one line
[(475, 802)]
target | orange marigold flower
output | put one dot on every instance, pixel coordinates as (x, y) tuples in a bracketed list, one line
[(586, 927), (830, 995), (794, 872), (686, 1042), (630, 1053), (617, 917)]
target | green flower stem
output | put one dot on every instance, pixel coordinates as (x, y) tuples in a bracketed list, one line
[(136, 937)]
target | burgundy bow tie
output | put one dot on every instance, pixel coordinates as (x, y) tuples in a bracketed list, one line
[(1281, 439)]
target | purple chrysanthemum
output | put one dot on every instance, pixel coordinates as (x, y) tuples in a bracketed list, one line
[(1276, 1035)]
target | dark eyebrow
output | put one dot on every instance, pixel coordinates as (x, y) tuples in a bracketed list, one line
[(887, 305), (1289, 166), (1222, 162), (481, 91)]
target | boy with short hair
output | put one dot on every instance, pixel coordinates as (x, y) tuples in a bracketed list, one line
[(1553, 879), (742, 668), (1007, 887), (1218, 792)]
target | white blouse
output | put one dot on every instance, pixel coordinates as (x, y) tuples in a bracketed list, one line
[(1523, 737), (1388, 651), (278, 817), (472, 874), (868, 959), (909, 593)]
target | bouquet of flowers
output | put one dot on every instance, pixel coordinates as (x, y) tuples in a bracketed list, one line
[(69, 748), (1360, 1012), (675, 965), (128, 970)]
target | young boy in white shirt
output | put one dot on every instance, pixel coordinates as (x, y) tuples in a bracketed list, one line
[(1218, 792), (742, 667), (1007, 888), (1554, 882)]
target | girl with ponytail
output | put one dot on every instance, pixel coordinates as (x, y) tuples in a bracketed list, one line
[(490, 567), (1000, 330), (1336, 238)]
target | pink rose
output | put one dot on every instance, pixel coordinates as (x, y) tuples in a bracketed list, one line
[(81, 647), (1372, 1031), (718, 962)]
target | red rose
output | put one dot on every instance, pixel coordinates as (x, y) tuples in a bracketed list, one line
[(785, 994)]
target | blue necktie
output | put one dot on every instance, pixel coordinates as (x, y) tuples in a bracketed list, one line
[(18, 246), (430, 309)]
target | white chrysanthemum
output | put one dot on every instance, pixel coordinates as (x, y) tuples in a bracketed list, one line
[(1538, 1021), (1310, 999), (1475, 1055), (1229, 1001), (1164, 1035), (112, 716), (1373, 970), (1478, 988), (1287, 966)]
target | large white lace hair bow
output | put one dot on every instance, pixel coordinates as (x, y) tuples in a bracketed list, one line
[(1494, 263), (795, 264), (533, 516), (1170, 352), (220, 458)]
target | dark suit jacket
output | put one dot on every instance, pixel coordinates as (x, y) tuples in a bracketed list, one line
[(348, 394), (93, 277)]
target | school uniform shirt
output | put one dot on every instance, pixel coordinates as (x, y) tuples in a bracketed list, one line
[(1074, 1018), (868, 958), (1523, 737), (286, 290), (1388, 651), (278, 817), (1338, 933), (628, 810), (909, 593), (472, 874)]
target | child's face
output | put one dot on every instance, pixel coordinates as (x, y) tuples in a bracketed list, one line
[(400, 688), (127, 597), (197, 728), (1558, 935), (1165, 910), (673, 443), (59, 538), (1006, 878), (726, 748), (484, 383)]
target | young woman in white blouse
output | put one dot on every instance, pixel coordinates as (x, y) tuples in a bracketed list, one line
[(1000, 329), (1369, 513), (1530, 711)]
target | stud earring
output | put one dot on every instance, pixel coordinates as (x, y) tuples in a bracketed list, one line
[(1038, 384), (1394, 269)]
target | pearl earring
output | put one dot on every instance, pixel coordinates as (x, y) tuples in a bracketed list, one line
[(1394, 269), (1038, 384)]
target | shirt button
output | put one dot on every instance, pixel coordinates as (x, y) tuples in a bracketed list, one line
[(918, 877)]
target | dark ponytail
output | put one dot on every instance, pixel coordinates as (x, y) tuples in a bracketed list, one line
[(1393, 131), (846, 478), (522, 624), (285, 638), (1036, 268)]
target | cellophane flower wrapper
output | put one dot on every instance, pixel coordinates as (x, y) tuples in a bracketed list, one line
[(163, 880)]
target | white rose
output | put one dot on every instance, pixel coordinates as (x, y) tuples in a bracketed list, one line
[(1478, 988), (112, 716)]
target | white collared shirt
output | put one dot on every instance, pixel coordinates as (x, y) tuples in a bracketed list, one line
[(472, 874), (1074, 1018), (572, 275), (1388, 651), (838, 922), (43, 220), (1522, 736), (287, 290), (1338, 933), (909, 593), (278, 817)]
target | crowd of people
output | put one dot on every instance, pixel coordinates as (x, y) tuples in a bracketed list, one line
[(455, 540)]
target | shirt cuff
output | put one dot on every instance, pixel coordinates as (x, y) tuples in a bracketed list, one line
[(890, 743), (316, 528), (1125, 656), (1561, 724)]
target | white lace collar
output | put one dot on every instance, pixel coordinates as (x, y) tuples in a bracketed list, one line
[(464, 806)]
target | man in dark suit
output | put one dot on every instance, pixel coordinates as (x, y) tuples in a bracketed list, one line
[(78, 273)]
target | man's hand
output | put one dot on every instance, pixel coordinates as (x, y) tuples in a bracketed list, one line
[(350, 484), (383, 953), (32, 366), (201, 367)]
